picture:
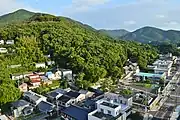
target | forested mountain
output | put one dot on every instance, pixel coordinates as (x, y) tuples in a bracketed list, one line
[(90, 54), (153, 35), (15, 17), (114, 33)]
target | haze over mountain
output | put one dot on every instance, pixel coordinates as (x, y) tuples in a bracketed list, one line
[(114, 33)]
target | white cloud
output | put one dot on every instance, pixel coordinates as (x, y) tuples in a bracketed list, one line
[(131, 22), (132, 15), (83, 5)]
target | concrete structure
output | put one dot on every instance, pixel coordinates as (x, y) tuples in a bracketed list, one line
[(40, 65), (3, 50), (33, 97), (66, 74), (4, 117), (144, 76), (112, 106), (1, 42), (10, 42)]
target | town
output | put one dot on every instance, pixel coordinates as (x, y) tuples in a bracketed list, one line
[(51, 93)]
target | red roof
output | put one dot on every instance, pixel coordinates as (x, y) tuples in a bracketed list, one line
[(35, 80)]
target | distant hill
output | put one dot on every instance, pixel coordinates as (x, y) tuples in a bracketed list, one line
[(15, 17), (153, 35), (114, 33)]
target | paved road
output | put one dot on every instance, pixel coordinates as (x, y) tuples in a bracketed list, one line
[(171, 102)]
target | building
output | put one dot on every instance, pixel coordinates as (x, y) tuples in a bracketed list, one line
[(66, 101), (21, 107), (20, 75), (54, 96), (74, 113), (50, 75), (152, 76), (40, 65), (86, 93), (3, 50), (45, 80), (49, 63), (23, 87), (46, 107), (33, 97), (66, 74), (1, 42), (76, 95), (131, 67), (35, 80), (10, 42), (112, 106), (161, 66)]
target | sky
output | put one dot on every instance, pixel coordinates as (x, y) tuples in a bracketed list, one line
[(106, 14)]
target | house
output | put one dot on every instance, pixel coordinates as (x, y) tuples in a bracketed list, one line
[(15, 66), (1, 42), (74, 113), (67, 74), (76, 95), (152, 76), (20, 75), (35, 80), (162, 66), (10, 42), (111, 108), (45, 80), (4, 117), (131, 67), (66, 101), (23, 87), (3, 50), (54, 95), (20, 108), (49, 75), (40, 65), (49, 63), (57, 75), (33, 97), (45, 107), (86, 93)]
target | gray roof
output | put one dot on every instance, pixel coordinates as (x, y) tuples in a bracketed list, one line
[(45, 106), (32, 96), (20, 103)]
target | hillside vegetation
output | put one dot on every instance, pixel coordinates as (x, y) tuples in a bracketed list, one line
[(15, 17), (153, 35), (73, 45)]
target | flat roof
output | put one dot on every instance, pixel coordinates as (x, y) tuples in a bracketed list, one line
[(148, 74), (109, 105)]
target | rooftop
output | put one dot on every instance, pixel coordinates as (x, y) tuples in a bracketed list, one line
[(76, 113), (64, 98), (45, 106), (148, 74), (33, 96), (20, 103), (103, 116), (109, 105), (73, 94)]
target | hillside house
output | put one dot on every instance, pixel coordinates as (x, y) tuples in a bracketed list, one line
[(3, 50), (10, 42), (1, 42)]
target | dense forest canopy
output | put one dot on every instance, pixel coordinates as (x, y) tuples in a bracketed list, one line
[(72, 45)]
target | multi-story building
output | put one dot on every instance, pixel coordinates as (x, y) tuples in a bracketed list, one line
[(112, 106)]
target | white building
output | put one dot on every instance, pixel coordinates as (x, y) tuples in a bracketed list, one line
[(33, 97), (40, 65), (10, 42), (112, 106), (1, 42), (3, 50), (161, 66)]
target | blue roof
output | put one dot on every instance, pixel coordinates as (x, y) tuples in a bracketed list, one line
[(76, 113), (48, 73), (148, 74)]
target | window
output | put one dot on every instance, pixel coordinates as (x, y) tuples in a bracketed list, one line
[(109, 112), (115, 100), (102, 110)]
